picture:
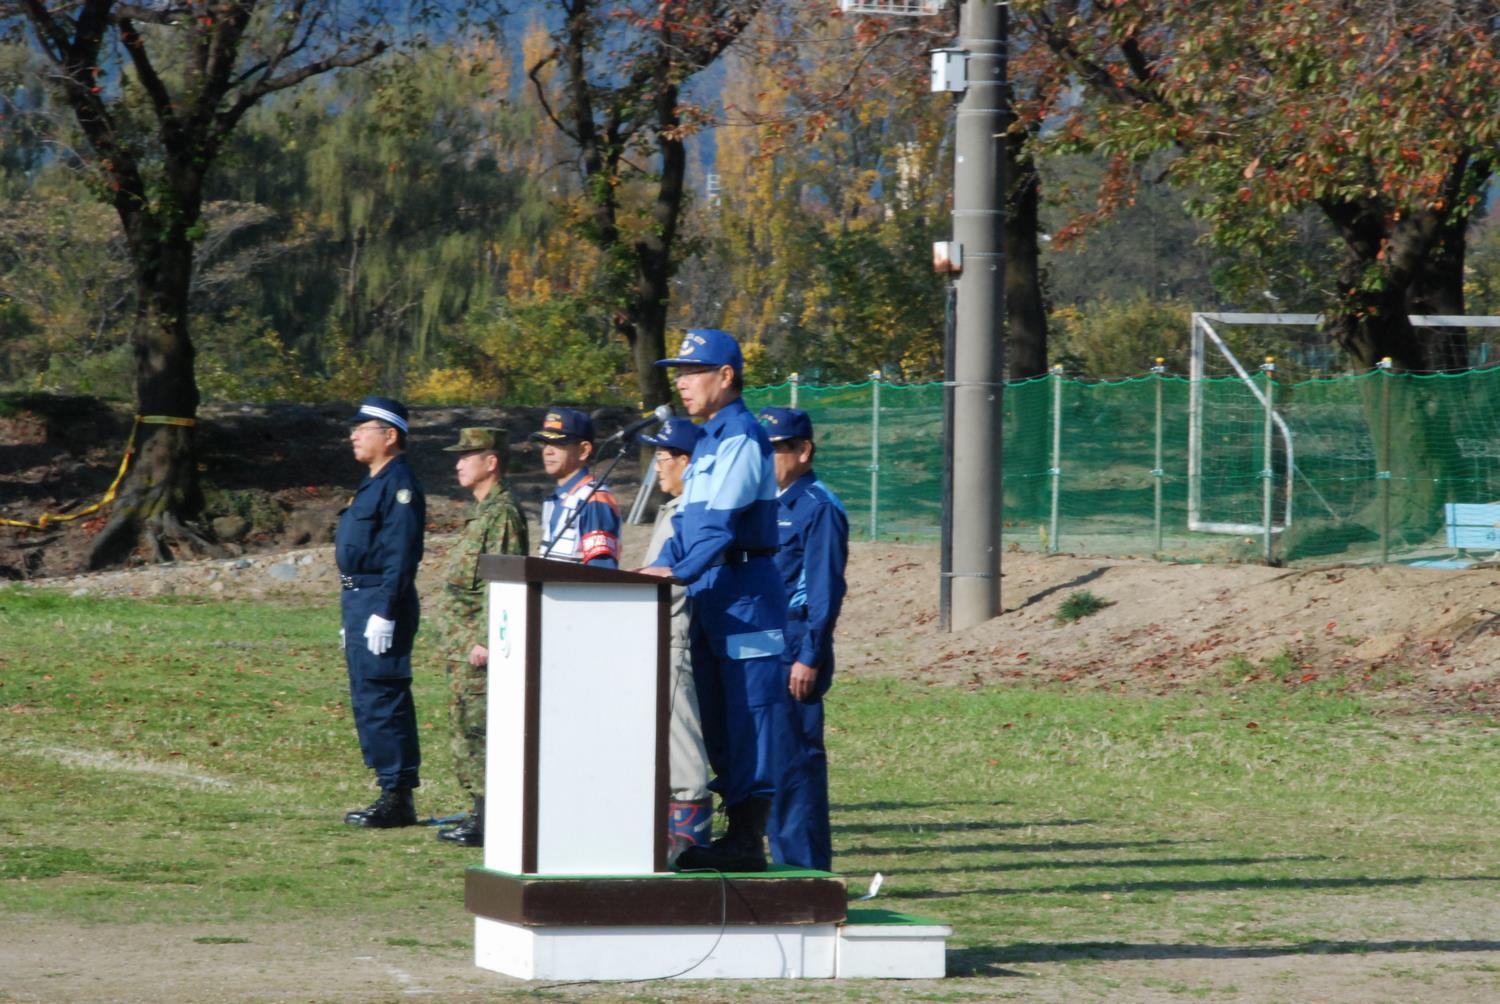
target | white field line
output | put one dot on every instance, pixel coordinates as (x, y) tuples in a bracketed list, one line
[(101, 760), (409, 985)]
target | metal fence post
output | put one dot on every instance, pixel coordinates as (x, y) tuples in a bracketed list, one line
[(1056, 469), (1268, 368), (1384, 474), (794, 380), (875, 456), (1157, 471)]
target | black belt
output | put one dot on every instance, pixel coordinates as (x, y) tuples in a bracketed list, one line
[(356, 581), (797, 614), (740, 556)]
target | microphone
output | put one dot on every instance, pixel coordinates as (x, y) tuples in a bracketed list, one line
[(661, 414)]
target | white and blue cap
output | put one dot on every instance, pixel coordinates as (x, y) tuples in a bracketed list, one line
[(675, 434), (384, 409), (707, 347)]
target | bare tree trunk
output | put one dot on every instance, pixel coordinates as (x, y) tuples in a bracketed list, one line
[(654, 263), (1372, 325), (1437, 287), (161, 493), (1025, 323), (1025, 309)]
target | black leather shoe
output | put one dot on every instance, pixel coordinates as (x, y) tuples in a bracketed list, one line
[(393, 808), (741, 849), (470, 832)]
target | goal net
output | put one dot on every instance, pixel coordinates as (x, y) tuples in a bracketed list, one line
[(1263, 453)]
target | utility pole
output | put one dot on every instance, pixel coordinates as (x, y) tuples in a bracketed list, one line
[(978, 364)]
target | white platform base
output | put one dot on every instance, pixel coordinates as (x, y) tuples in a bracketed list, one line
[(893, 951), (790, 951)]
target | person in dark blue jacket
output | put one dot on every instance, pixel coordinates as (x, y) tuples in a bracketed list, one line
[(724, 537), (378, 547), (814, 535)]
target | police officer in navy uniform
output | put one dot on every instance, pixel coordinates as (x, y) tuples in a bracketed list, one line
[(814, 548), (378, 547)]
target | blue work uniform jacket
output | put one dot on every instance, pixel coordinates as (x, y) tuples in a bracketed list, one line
[(814, 536), (724, 534), (594, 536)]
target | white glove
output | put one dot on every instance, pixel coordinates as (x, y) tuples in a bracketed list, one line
[(342, 642), (379, 633)]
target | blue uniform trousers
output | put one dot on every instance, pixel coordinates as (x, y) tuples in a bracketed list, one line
[(736, 646), (798, 827), (385, 717)]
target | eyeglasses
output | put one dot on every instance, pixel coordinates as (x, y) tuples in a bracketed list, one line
[(369, 427)]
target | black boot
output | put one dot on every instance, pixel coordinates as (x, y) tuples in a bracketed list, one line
[(393, 808), (470, 832), (741, 848)]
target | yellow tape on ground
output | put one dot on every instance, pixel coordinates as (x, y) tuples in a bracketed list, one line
[(48, 518)]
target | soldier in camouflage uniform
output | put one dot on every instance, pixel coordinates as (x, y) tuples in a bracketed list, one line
[(494, 526)]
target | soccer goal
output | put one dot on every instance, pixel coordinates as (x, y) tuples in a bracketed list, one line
[(1242, 445), (887, 8)]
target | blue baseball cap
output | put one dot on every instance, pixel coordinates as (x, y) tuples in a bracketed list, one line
[(382, 409), (675, 434), (786, 423), (565, 425), (707, 347)]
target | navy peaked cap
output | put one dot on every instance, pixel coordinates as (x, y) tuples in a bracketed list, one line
[(786, 423), (382, 409), (565, 425), (675, 434)]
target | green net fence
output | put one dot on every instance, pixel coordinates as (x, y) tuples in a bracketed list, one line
[(1380, 466)]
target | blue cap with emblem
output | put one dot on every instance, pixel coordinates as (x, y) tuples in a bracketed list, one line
[(786, 423), (565, 425), (382, 409), (675, 434), (707, 347)]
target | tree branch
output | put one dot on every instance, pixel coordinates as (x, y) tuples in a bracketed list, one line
[(227, 119), (149, 79)]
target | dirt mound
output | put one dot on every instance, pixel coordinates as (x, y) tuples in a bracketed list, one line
[(1424, 635)]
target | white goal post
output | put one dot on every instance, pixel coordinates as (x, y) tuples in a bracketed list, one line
[(888, 8), (1205, 339)]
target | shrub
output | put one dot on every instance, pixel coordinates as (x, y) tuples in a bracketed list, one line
[(1079, 604)]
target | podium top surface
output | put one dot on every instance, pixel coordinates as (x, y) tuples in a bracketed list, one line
[(518, 568)]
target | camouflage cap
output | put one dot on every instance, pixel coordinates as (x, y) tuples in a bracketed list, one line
[(473, 440)]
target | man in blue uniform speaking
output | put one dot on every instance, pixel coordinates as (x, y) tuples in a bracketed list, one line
[(378, 547), (814, 532), (725, 535)]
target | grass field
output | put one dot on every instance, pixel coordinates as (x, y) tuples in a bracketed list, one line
[(189, 763)]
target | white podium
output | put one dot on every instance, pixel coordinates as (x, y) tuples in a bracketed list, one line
[(574, 884), (577, 720)]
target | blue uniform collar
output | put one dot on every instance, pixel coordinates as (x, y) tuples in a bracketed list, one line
[(399, 458), (715, 426), (798, 488), (562, 490)]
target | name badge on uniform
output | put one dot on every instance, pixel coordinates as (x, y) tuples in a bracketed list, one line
[(403, 496)]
